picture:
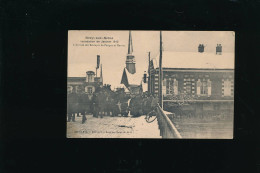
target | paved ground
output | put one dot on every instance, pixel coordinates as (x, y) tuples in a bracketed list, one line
[(113, 127)]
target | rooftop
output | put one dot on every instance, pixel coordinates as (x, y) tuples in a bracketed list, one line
[(76, 79), (197, 60), (133, 79)]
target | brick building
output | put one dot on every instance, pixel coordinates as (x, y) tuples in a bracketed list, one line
[(204, 81)]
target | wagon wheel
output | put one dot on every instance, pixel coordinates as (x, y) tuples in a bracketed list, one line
[(149, 118)]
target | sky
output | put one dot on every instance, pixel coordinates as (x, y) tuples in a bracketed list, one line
[(84, 58)]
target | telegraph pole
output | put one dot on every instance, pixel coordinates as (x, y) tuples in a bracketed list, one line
[(149, 73), (160, 73)]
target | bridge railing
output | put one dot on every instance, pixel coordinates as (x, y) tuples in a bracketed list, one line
[(166, 127)]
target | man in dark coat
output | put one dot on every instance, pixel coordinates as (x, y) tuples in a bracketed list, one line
[(124, 107), (112, 105), (117, 108), (136, 106), (116, 105), (94, 105), (154, 102), (80, 103), (101, 99), (106, 104), (145, 104), (75, 106), (123, 104), (84, 106), (69, 111), (72, 106)]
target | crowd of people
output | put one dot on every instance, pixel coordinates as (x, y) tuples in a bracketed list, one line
[(109, 103)]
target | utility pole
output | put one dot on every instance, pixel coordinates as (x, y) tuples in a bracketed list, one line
[(160, 73), (149, 73)]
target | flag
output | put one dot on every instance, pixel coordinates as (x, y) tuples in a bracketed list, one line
[(98, 61)]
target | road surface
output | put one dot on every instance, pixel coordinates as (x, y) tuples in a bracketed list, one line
[(113, 127)]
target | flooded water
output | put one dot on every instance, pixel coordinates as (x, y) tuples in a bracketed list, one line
[(197, 128)]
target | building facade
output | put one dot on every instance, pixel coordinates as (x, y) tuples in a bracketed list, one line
[(86, 84), (202, 83)]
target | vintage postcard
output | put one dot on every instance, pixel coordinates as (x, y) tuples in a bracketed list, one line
[(150, 84)]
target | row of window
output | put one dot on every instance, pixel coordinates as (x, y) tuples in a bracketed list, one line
[(202, 87), (88, 89), (225, 76)]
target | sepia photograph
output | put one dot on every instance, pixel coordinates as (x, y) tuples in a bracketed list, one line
[(150, 84), (129, 86)]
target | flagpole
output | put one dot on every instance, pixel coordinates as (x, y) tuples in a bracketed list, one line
[(160, 73)]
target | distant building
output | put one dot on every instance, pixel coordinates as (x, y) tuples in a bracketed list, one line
[(86, 84), (129, 77), (207, 77)]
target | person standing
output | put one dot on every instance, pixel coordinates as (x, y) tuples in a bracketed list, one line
[(69, 110), (154, 102), (101, 103), (94, 105), (136, 106), (145, 104), (139, 105), (84, 106), (107, 104), (73, 105), (132, 106), (124, 105), (118, 108), (112, 105), (116, 104)]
